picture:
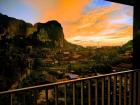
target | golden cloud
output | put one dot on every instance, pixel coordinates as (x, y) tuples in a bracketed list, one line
[(85, 28), (61, 10)]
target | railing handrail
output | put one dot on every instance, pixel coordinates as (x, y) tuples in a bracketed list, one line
[(65, 82)]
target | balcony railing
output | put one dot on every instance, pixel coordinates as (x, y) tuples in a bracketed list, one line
[(118, 88)]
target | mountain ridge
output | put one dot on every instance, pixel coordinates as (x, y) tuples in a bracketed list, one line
[(49, 32)]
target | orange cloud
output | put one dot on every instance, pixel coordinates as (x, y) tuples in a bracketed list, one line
[(97, 24), (88, 28), (61, 10)]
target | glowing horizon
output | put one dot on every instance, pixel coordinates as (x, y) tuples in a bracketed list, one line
[(86, 23)]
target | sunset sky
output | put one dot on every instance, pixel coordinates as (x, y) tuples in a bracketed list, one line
[(85, 22)]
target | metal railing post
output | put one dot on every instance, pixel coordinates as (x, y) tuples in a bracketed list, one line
[(130, 88), (89, 92), (103, 90), (96, 91), (23, 98), (125, 89), (109, 86), (74, 100), (65, 93), (114, 92), (82, 93), (56, 95), (46, 94), (11, 99), (120, 90), (35, 96)]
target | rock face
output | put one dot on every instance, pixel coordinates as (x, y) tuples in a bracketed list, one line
[(49, 32), (53, 32), (11, 27)]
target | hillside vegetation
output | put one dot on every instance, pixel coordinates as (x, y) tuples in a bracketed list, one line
[(25, 46)]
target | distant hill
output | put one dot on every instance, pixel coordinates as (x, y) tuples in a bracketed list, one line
[(129, 44), (126, 47)]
